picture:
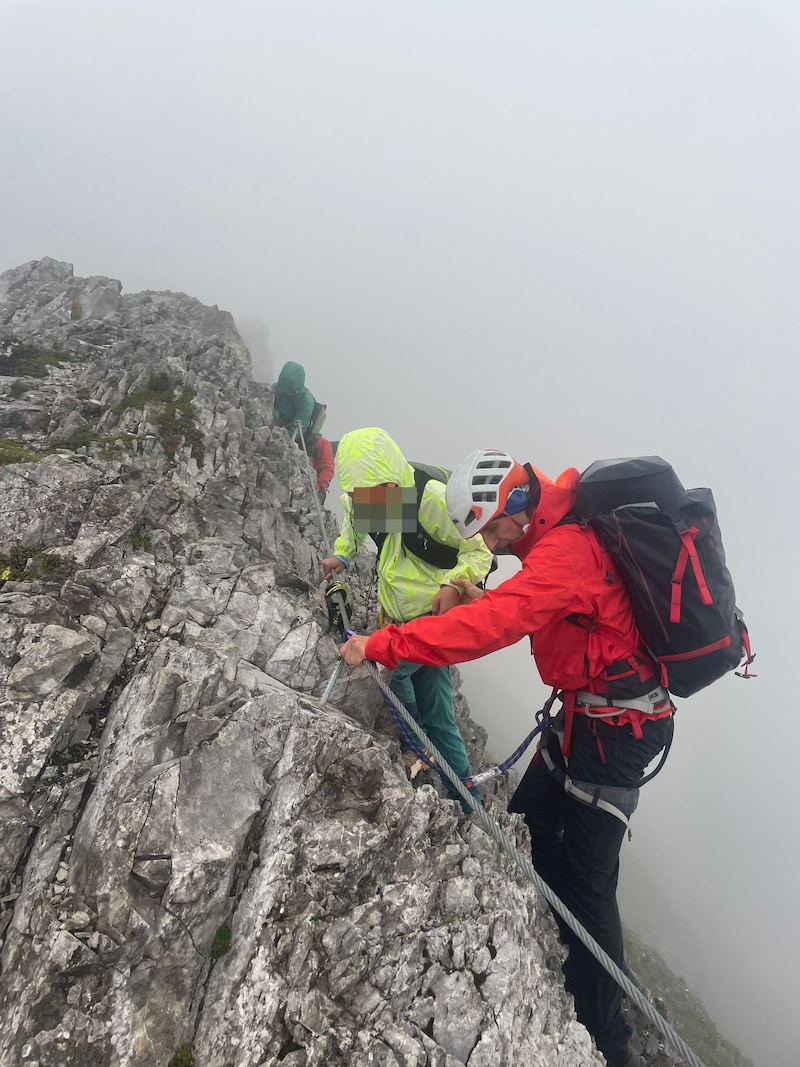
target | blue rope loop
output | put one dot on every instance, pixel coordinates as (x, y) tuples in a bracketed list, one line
[(409, 740), (542, 719)]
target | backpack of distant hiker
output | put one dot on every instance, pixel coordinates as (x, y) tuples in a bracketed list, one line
[(318, 414), (419, 542), (665, 542)]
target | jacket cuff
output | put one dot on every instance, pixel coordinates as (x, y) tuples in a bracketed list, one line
[(378, 648)]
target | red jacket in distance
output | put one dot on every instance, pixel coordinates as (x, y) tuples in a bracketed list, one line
[(565, 571), (322, 461)]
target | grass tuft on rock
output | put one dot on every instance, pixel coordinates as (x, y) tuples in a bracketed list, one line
[(28, 360), (13, 451), (176, 422)]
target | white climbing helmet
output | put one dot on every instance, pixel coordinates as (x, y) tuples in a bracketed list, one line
[(478, 490)]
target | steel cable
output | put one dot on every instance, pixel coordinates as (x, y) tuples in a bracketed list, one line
[(498, 834)]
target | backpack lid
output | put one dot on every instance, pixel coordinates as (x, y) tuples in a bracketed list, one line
[(612, 483)]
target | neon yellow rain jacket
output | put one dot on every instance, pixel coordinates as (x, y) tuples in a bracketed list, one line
[(406, 584)]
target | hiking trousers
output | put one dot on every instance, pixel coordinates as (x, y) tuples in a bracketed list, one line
[(575, 849), (427, 692)]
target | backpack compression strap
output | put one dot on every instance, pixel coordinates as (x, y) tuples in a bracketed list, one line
[(688, 553)]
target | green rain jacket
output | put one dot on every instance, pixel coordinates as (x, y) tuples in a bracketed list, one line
[(406, 584), (293, 402)]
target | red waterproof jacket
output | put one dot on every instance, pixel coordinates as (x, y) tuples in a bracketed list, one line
[(565, 572), (322, 461)]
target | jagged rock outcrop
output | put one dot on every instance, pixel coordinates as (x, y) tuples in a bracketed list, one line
[(199, 862)]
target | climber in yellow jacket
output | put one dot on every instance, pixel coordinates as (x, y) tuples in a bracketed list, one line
[(416, 569)]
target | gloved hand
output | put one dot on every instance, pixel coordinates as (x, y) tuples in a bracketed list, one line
[(322, 493)]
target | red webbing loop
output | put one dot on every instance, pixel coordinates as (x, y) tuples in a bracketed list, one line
[(746, 673)]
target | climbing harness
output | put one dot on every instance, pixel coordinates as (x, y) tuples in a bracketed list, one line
[(619, 801)]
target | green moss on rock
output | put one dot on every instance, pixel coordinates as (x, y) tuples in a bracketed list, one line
[(221, 943), (183, 1056), (13, 451), (22, 359), (22, 562)]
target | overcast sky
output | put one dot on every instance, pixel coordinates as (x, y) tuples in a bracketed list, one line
[(565, 229)]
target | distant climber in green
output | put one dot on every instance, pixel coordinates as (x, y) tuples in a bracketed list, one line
[(293, 402)]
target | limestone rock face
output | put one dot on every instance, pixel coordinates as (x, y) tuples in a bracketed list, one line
[(199, 861)]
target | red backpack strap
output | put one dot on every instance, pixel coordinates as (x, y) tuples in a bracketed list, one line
[(568, 698), (610, 634), (687, 553)]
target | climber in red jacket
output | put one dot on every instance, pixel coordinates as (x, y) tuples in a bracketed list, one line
[(582, 786), (320, 453)]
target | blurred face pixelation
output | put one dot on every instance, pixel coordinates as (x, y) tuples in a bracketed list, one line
[(384, 509)]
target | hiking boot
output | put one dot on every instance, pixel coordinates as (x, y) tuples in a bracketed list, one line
[(412, 763)]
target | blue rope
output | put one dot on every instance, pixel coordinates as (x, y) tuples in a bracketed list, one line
[(409, 740)]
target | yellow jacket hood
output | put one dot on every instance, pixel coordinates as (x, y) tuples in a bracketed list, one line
[(370, 457)]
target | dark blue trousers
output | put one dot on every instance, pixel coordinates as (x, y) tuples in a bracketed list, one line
[(575, 849)]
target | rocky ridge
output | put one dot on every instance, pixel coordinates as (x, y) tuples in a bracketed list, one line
[(200, 862)]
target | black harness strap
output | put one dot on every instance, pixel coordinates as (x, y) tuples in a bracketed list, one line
[(420, 542)]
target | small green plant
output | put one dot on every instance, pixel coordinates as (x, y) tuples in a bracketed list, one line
[(80, 439), (76, 311), (221, 943), (159, 390), (176, 422), (13, 451), (183, 1056), (28, 360), (50, 567), (23, 563), (18, 388), (140, 541), (14, 561), (120, 442)]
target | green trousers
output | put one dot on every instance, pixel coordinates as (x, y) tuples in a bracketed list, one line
[(427, 692)]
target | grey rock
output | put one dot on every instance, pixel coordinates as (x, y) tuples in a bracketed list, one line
[(193, 848)]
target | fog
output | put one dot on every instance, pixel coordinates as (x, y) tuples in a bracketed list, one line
[(567, 230)]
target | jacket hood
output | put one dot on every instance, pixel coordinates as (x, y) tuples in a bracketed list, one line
[(556, 501), (370, 457), (291, 379)]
